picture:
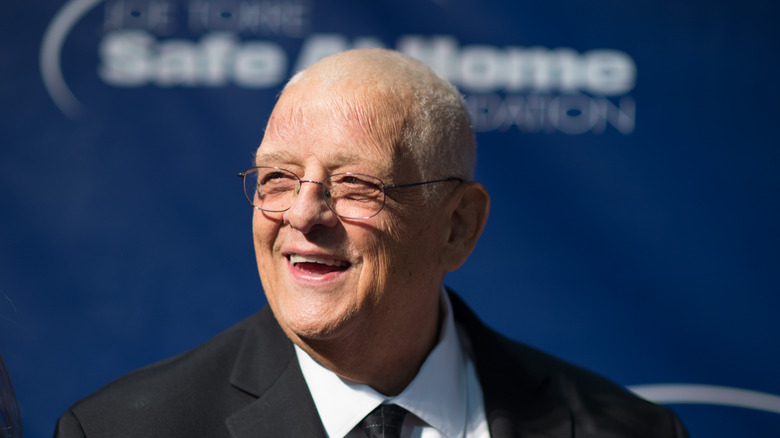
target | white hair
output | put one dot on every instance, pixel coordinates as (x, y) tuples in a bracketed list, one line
[(435, 127)]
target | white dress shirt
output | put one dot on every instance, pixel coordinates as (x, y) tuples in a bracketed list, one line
[(444, 399)]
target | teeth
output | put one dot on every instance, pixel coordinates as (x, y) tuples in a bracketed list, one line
[(296, 258)]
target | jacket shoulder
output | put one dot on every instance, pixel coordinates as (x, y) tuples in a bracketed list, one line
[(529, 390), (601, 408), (184, 395)]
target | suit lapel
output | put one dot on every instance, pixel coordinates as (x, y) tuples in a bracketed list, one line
[(266, 368), (516, 387)]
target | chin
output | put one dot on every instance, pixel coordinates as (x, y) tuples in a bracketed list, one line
[(314, 322)]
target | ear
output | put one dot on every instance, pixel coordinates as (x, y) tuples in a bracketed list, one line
[(467, 212)]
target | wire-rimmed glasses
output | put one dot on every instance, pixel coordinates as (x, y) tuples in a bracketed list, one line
[(348, 195)]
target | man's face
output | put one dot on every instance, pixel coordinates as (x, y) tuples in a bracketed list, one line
[(326, 277)]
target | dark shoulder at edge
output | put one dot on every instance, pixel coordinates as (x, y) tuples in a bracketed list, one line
[(177, 373), (594, 400)]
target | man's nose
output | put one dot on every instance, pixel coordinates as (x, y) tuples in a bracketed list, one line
[(309, 208)]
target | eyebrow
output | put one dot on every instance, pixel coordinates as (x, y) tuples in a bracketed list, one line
[(339, 158), (271, 157)]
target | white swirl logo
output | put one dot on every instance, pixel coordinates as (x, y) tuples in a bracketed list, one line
[(51, 48), (682, 393)]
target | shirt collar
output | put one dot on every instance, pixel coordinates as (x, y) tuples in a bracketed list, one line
[(435, 395)]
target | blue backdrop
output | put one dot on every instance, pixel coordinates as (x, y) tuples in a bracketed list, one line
[(629, 147)]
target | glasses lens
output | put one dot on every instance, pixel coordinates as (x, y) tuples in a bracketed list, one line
[(354, 196), (270, 188)]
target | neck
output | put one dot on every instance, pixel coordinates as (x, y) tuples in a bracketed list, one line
[(385, 360)]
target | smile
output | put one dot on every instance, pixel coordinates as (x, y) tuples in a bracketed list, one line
[(317, 265)]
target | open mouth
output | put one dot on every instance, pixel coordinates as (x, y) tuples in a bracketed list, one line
[(317, 265)]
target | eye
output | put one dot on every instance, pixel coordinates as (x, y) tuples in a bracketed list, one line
[(355, 187), (274, 176), (271, 181), (352, 180)]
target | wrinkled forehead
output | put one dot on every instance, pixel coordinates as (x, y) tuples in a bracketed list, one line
[(311, 113)]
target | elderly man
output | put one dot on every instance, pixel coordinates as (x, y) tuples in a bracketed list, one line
[(363, 201)]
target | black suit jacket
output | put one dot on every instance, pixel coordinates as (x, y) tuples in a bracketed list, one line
[(246, 382)]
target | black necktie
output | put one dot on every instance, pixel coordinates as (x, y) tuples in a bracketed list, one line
[(384, 422)]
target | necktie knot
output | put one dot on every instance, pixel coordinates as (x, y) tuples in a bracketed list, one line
[(384, 422)]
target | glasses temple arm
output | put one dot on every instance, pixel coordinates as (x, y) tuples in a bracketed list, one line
[(401, 186)]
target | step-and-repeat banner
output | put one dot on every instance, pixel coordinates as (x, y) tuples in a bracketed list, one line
[(630, 149)]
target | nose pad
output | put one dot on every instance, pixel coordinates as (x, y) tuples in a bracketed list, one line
[(309, 210), (299, 186)]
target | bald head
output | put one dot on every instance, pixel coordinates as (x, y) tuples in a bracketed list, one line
[(398, 100)]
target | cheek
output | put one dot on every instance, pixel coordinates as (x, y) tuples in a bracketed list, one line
[(395, 251), (378, 243), (264, 233), (264, 227), (419, 245)]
